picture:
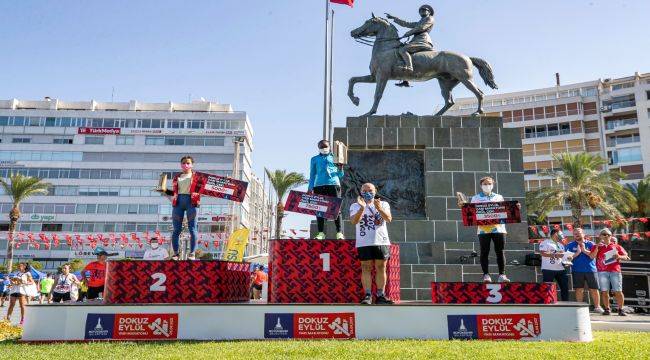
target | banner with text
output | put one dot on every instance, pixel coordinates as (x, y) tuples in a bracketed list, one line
[(494, 326), (309, 326), (312, 204), (131, 327), (491, 213), (221, 186), (237, 245)]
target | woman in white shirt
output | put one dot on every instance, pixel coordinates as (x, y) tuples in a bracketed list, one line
[(64, 285), (553, 263), (19, 291)]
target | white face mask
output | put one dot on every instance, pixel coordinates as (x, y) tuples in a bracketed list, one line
[(487, 189), (324, 151), (155, 245)]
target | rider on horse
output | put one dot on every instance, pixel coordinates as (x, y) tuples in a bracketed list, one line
[(421, 41)]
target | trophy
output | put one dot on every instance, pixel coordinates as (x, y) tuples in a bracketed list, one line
[(461, 198), (162, 186), (340, 153)]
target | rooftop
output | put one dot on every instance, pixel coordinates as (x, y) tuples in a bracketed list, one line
[(132, 105)]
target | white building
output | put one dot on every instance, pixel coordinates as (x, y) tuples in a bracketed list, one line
[(104, 159), (608, 117)]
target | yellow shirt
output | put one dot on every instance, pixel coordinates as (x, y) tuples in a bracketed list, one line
[(184, 182)]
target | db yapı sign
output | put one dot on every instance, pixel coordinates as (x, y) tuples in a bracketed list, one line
[(131, 327)]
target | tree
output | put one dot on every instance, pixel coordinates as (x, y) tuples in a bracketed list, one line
[(283, 182), (19, 188), (36, 265), (641, 194), (77, 265), (582, 184)]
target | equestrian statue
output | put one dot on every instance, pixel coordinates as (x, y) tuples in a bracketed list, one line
[(417, 60)]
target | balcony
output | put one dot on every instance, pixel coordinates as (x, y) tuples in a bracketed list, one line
[(614, 124), (616, 141)]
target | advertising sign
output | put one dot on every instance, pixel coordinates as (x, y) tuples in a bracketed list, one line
[(491, 213), (310, 326), (494, 326), (312, 204), (131, 327), (98, 131)]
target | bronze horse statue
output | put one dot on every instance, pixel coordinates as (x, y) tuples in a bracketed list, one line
[(448, 67)]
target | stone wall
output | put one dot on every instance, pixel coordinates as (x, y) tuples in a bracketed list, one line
[(457, 152)]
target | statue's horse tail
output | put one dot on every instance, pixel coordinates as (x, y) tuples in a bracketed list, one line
[(486, 71)]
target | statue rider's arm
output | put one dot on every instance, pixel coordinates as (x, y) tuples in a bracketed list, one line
[(422, 26), (410, 25)]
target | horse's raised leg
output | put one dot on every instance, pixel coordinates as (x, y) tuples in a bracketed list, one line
[(353, 81), (379, 92), (446, 85), (469, 83)]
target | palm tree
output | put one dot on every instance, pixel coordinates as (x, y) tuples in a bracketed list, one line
[(283, 182), (19, 188), (641, 194), (581, 182)]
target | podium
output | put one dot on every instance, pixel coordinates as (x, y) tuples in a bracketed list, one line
[(322, 271), (146, 282), (493, 293)]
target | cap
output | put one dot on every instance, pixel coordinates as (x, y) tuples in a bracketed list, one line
[(428, 7), (101, 251)]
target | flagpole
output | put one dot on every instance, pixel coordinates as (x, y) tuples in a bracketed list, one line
[(329, 116), (325, 102)]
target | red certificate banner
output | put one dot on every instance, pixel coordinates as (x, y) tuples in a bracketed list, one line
[(221, 186), (312, 204), (491, 213), (98, 131)]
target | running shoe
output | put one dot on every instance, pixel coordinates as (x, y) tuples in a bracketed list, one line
[(320, 236), (383, 300), (487, 278), (367, 300), (599, 310), (340, 236), (503, 279)]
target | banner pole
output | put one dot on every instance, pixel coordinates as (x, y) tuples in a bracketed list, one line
[(325, 102), (331, 84)]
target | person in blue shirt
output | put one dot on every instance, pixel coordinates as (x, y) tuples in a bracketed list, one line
[(584, 268), (5, 284), (325, 179)]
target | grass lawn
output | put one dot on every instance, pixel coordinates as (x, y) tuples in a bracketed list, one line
[(607, 345)]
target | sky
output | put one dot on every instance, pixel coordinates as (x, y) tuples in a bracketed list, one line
[(266, 57)]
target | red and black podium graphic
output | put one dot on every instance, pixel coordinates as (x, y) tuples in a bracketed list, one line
[(322, 271), (493, 293), (176, 282)]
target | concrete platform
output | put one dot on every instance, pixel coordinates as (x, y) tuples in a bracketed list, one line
[(408, 320)]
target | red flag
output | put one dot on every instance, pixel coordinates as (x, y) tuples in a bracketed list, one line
[(349, 3), (569, 227)]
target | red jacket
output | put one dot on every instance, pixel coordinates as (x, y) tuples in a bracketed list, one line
[(195, 185)]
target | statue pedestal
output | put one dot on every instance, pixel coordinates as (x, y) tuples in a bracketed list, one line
[(418, 164)]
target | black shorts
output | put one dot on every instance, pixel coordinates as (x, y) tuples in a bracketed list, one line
[(59, 297), (579, 279), (374, 252), (257, 287), (5, 294), (17, 295), (93, 292)]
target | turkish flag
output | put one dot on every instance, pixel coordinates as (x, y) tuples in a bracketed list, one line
[(349, 3)]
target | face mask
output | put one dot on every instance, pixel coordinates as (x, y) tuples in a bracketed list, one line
[(487, 189), (155, 245), (368, 196), (324, 151), (560, 236), (186, 166)]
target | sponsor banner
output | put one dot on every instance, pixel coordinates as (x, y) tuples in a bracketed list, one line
[(490, 213), (131, 327), (312, 204), (41, 217), (221, 186), (98, 131), (237, 245), (199, 218), (310, 326), (216, 132), (494, 326), (88, 254)]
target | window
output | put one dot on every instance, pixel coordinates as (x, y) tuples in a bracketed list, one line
[(125, 140), (565, 128), (622, 86), (195, 124), (176, 124), (62, 141), (21, 140), (647, 95), (94, 140), (589, 91), (154, 140), (52, 227)]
